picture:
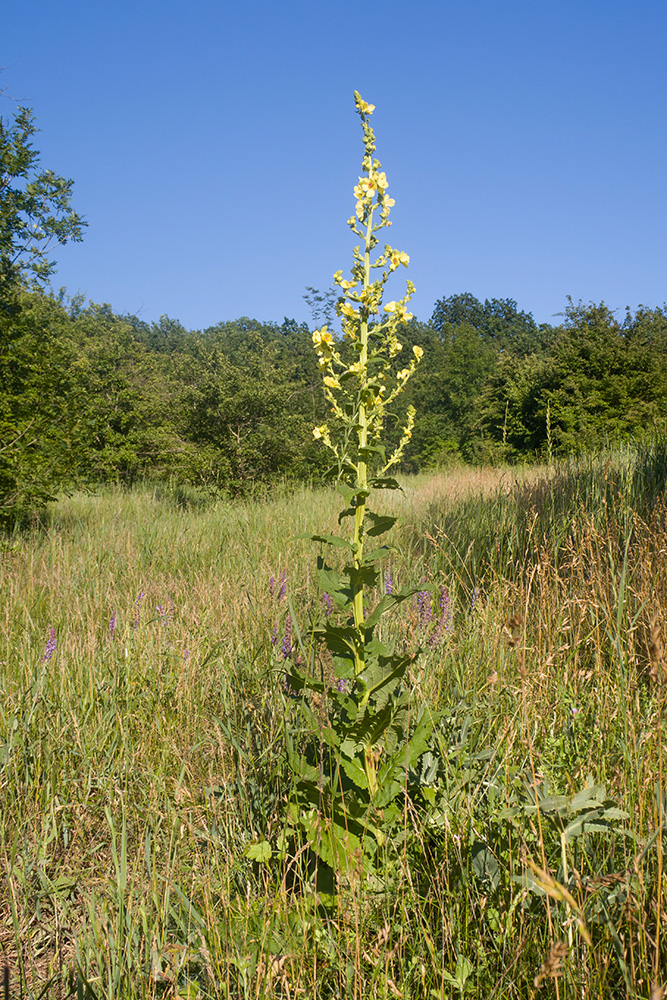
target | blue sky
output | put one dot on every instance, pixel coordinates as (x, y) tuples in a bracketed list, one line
[(214, 146)]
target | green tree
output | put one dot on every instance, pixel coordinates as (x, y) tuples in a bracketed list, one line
[(35, 209), (39, 406)]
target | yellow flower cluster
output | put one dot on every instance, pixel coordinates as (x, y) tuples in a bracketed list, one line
[(370, 187), (357, 391), (398, 311)]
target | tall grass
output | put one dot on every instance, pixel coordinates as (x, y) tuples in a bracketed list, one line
[(142, 763)]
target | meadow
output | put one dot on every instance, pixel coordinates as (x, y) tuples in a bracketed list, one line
[(144, 716)]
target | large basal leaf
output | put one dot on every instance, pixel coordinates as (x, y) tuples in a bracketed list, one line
[(354, 770)]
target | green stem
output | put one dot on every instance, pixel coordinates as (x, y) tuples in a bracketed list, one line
[(362, 468), (370, 760)]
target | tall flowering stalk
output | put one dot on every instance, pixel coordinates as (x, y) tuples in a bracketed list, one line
[(347, 797), (357, 381)]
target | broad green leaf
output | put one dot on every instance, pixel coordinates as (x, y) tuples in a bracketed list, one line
[(367, 453), (350, 493), (336, 540), (386, 484), (382, 552), (587, 797), (378, 523), (259, 851), (388, 602), (354, 771)]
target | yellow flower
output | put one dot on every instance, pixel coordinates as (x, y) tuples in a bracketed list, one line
[(366, 188), (364, 107), (319, 432), (347, 310), (403, 374), (398, 257), (397, 309), (331, 382), (418, 352), (381, 181)]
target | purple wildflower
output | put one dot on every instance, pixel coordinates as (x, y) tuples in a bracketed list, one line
[(50, 645), (287, 639), (445, 621), (424, 608), (474, 600), (137, 610), (446, 616), (341, 685), (274, 634), (186, 654), (164, 615), (112, 624), (272, 585), (283, 585), (388, 583), (327, 601)]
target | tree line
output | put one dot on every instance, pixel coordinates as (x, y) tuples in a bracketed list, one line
[(88, 396), (91, 397)]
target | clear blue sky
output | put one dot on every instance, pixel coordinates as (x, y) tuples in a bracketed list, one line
[(214, 146)]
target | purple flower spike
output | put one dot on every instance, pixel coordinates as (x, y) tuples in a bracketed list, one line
[(341, 685), (112, 624), (388, 583), (137, 610), (283, 585), (274, 634), (287, 639), (474, 600), (50, 645), (424, 608), (272, 585), (446, 616), (327, 601), (445, 622)]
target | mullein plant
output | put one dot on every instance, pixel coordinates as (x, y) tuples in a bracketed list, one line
[(354, 760)]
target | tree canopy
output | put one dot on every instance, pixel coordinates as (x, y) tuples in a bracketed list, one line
[(35, 208)]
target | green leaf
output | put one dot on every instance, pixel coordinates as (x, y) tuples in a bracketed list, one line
[(258, 851), (340, 640), (386, 484), (336, 540), (364, 576), (390, 601), (382, 552), (587, 797), (378, 523), (354, 771), (367, 453), (330, 583), (351, 493)]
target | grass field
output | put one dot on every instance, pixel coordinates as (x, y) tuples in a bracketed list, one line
[(142, 734)]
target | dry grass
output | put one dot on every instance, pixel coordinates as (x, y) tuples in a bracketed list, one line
[(135, 768)]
